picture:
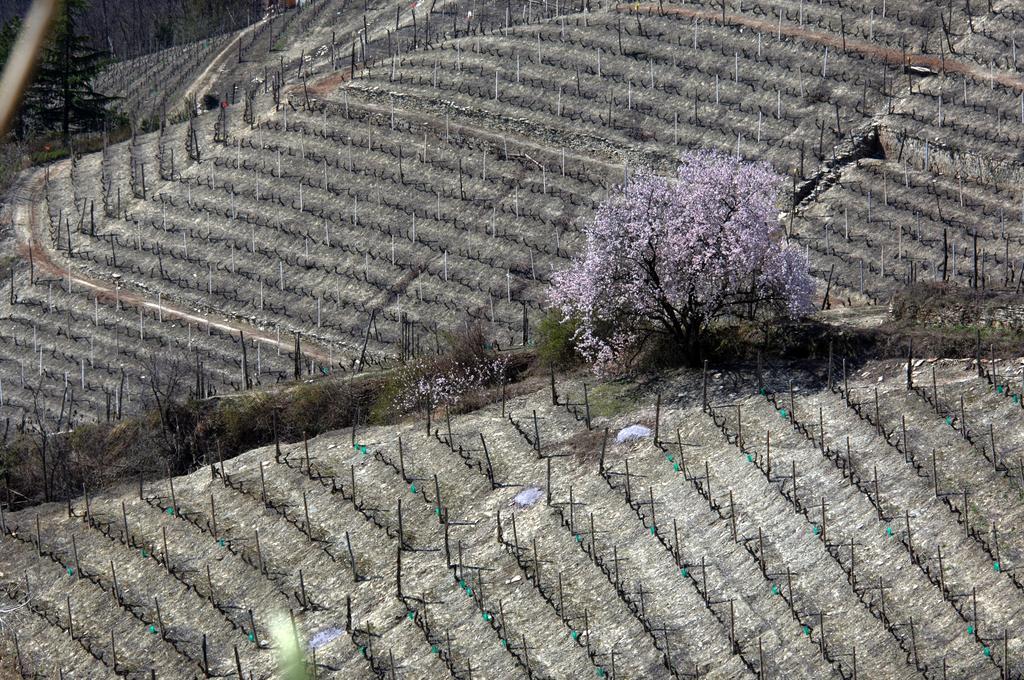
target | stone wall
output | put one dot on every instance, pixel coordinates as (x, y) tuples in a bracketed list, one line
[(936, 305)]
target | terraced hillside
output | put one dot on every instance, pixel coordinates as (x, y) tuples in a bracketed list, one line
[(380, 176), (448, 175), (770, 524)]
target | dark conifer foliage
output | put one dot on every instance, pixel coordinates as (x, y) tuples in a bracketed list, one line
[(62, 96), (129, 28)]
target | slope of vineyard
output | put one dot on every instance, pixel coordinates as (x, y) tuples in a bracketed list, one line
[(451, 175), (377, 177), (448, 176), (778, 529)]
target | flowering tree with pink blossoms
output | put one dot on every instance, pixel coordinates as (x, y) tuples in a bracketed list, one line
[(669, 256)]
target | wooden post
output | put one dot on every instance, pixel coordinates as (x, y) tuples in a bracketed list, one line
[(654, 522), (824, 523), (792, 403), (305, 509), (352, 483), (977, 344), (159, 619), (942, 572), (707, 477), (74, 552), (963, 418), (548, 459), (682, 456), (913, 643), (113, 577), (586, 406), (259, 554), (302, 591), (437, 499), (71, 622), (487, 459), (732, 515), (398, 571), (277, 444), (166, 558), (206, 661), (604, 445), (401, 531), (113, 653), (992, 443), (209, 583), (1006, 656), (878, 497), (629, 494), (351, 558), (246, 383), (878, 417), (903, 429), (213, 518), (796, 502), (846, 384), (657, 417)]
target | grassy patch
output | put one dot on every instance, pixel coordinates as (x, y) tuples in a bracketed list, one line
[(608, 400), (201, 432), (383, 409), (49, 155)]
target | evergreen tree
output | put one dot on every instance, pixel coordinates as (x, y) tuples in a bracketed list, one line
[(8, 35), (62, 96)]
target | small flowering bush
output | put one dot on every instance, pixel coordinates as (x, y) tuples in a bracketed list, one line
[(668, 256), (447, 385), (455, 378)]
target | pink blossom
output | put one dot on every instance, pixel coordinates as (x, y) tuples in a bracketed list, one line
[(424, 383), (669, 256)]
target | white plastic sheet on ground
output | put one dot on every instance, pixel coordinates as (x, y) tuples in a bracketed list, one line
[(632, 433), (527, 497)]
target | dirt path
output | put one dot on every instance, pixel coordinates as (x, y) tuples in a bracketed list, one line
[(941, 64), (209, 74), (30, 241)]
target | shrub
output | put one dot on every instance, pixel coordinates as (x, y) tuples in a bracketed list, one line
[(555, 345), (447, 384), (448, 379)]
